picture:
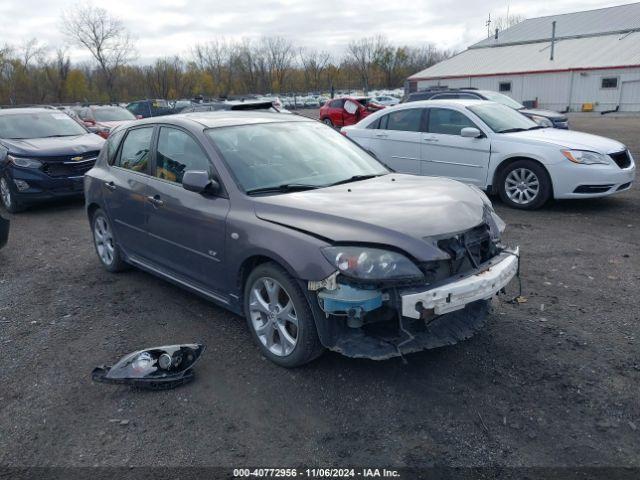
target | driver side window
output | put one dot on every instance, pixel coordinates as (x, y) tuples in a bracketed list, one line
[(447, 122), (177, 153)]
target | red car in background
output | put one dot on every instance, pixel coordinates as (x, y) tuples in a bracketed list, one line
[(341, 112), (100, 119)]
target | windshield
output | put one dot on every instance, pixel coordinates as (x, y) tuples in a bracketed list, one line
[(112, 114), (269, 155), (502, 119), (38, 125), (502, 99)]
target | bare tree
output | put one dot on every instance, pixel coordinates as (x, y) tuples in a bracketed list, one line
[(104, 35), (57, 72), (280, 55), (314, 64), (363, 54)]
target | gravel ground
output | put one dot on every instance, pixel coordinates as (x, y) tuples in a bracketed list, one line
[(550, 382)]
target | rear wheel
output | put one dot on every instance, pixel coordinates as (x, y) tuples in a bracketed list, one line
[(279, 317), (525, 184), (7, 196), (327, 121), (104, 241)]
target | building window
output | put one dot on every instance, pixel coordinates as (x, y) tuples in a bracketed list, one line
[(610, 82), (504, 86)]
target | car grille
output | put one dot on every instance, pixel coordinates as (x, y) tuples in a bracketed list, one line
[(69, 165), (622, 159)]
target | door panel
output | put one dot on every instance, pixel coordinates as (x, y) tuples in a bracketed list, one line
[(445, 153), (126, 189), (397, 141), (186, 229)]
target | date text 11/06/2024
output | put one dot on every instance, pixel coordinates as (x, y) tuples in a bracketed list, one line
[(316, 473)]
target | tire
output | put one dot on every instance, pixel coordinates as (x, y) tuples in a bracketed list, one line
[(7, 196), (327, 121), (272, 299), (104, 242), (525, 184)]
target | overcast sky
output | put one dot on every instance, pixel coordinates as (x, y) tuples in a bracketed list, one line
[(167, 27)]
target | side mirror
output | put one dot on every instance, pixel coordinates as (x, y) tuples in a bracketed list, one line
[(470, 132), (89, 123), (139, 117), (199, 181)]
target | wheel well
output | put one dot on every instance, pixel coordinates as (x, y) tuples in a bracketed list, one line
[(509, 161), (91, 209), (245, 270)]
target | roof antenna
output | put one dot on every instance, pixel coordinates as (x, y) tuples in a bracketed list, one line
[(488, 24)]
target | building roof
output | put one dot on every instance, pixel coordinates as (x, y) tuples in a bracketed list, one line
[(589, 53), (622, 18)]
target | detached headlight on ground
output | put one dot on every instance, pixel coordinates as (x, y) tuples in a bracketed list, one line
[(585, 157), (24, 162), (371, 263)]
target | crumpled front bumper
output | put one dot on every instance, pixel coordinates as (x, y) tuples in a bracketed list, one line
[(454, 295)]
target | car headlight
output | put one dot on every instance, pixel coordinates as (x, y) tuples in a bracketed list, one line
[(542, 121), (364, 263), (585, 157), (24, 162)]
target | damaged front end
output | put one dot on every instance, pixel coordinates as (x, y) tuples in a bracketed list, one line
[(380, 304)]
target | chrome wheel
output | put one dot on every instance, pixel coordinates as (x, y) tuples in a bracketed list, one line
[(522, 186), (104, 240), (273, 316), (5, 193)]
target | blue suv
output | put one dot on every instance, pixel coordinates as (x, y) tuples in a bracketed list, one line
[(44, 154)]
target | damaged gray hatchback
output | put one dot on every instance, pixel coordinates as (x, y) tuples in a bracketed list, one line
[(288, 223)]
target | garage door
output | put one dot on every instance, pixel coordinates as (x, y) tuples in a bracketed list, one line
[(630, 96)]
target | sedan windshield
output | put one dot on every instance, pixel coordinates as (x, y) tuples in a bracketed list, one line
[(38, 125), (112, 114), (503, 99), (502, 119), (286, 156)]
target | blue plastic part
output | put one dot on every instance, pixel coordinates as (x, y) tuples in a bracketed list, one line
[(345, 298)]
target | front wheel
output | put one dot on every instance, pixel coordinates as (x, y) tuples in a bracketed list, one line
[(525, 184), (7, 197), (279, 317)]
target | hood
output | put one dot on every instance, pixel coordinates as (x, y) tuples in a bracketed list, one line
[(568, 139), (395, 210), (55, 146), (550, 114)]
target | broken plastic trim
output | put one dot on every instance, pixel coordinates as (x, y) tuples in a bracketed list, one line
[(157, 368)]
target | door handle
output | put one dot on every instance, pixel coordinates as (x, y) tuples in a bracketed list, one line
[(430, 139), (382, 135), (110, 185), (155, 200)]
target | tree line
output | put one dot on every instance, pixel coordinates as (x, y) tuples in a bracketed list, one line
[(32, 73)]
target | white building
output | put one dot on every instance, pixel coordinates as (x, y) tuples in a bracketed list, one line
[(593, 58)]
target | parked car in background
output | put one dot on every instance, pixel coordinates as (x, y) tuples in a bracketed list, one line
[(101, 119), (340, 112), (44, 154), (151, 108), (385, 100), (284, 221), (495, 148), (232, 105), (4, 231), (546, 118)]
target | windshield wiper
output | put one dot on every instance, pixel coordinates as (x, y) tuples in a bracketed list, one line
[(537, 127), (284, 188), (510, 130), (55, 136), (356, 178)]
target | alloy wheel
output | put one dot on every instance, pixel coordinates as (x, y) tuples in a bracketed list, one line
[(273, 316), (5, 193), (522, 186), (104, 240)]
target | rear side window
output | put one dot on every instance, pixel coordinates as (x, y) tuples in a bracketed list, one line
[(177, 153), (447, 122), (337, 103), (134, 154), (407, 120), (112, 145)]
